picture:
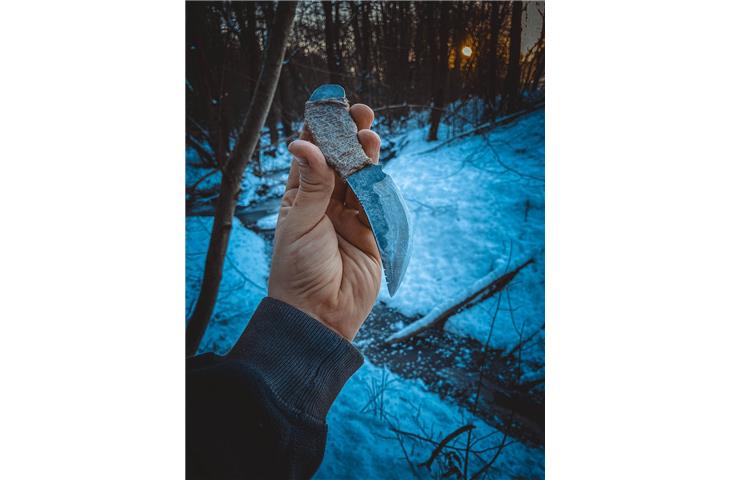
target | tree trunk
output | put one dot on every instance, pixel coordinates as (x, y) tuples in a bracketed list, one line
[(272, 122), (338, 44), (495, 22), (459, 29), (272, 119), (286, 101), (432, 51), (377, 49), (419, 52), (330, 37), (231, 179), (512, 89), (361, 39), (365, 52), (404, 49), (252, 46), (442, 73)]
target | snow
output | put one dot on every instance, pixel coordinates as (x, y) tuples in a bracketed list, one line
[(268, 222), (252, 184), (471, 214), (448, 303), (245, 274), (362, 445)]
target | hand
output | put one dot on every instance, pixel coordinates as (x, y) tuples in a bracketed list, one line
[(326, 262)]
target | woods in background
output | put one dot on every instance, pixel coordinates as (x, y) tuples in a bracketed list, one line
[(385, 54), (250, 67)]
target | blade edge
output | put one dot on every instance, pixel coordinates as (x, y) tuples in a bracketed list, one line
[(389, 219)]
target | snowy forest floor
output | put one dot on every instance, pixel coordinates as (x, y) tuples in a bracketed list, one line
[(478, 205)]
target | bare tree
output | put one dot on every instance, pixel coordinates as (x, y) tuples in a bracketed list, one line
[(439, 97), (512, 87), (331, 36), (492, 63), (232, 173)]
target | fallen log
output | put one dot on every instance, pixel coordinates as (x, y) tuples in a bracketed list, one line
[(479, 291), (487, 127)]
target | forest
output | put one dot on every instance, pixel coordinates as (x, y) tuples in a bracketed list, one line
[(453, 384), (394, 56)]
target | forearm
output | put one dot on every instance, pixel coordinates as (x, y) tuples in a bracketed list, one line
[(260, 410)]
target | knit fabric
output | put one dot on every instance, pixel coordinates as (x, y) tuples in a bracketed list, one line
[(303, 362), (259, 411)]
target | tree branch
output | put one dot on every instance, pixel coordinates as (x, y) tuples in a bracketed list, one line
[(443, 443), (202, 152), (232, 173)]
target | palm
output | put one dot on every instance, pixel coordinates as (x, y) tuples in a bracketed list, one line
[(326, 261)]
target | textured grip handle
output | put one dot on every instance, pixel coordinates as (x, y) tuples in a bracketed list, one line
[(335, 133)]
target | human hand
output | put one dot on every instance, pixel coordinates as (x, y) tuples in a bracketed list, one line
[(326, 262)]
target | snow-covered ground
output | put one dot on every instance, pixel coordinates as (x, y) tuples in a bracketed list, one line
[(361, 444), (245, 273), (477, 203), (252, 184)]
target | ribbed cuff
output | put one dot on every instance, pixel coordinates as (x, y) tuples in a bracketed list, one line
[(303, 362)]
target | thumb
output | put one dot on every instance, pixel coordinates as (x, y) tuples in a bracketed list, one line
[(316, 182)]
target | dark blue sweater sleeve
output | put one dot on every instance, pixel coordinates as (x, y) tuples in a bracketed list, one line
[(259, 411)]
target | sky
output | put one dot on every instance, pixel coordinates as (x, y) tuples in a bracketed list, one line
[(531, 24)]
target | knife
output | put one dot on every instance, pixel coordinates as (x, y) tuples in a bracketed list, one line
[(327, 116)]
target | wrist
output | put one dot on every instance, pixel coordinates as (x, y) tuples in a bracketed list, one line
[(339, 320), (304, 364)]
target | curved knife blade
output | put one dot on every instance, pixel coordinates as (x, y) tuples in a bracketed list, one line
[(389, 218), (381, 200)]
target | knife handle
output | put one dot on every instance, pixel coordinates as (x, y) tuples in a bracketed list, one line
[(335, 133)]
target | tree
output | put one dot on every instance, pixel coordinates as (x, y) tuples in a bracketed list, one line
[(222, 65), (442, 72), (332, 35), (230, 186), (286, 101), (360, 13), (492, 63), (512, 83), (272, 119)]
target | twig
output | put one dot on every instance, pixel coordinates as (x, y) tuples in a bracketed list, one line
[(481, 375), (443, 443), (405, 454), (502, 444), (498, 158), (203, 132), (201, 150), (191, 190)]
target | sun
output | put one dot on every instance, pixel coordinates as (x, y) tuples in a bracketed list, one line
[(466, 51)]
